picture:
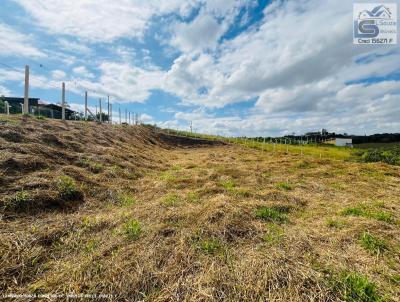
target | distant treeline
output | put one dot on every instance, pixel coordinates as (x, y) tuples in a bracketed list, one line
[(377, 138)]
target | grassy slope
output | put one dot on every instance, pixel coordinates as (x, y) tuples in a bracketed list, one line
[(164, 223)]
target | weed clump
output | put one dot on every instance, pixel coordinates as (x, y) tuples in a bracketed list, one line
[(372, 243), (210, 246), (133, 229), (18, 202), (170, 200), (357, 288), (273, 214), (284, 186), (67, 188), (126, 200)]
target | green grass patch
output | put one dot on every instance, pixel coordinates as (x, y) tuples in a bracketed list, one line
[(167, 176), (274, 235), (335, 223), (368, 212), (229, 185), (92, 166), (372, 243), (133, 229), (284, 186), (67, 188), (357, 288), (193, 197), (126, 200), (272, 214), (210, 246), (171, 200)]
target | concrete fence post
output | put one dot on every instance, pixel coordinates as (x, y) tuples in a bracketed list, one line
[(101, 111), (63, 101), (7, 108), (108, 109), (86, 100), (26, 91)]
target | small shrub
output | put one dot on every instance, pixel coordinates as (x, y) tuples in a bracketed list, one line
[(271, 214), (372, 244), (391, 157), (17, 202), (357, 288), (284, 186), (67, 188), (210, 246), (133, 229), (40, 117)]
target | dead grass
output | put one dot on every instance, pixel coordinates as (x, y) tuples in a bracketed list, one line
[(173, 219)]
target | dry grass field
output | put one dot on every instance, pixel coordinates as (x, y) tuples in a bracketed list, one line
[(128, 214)]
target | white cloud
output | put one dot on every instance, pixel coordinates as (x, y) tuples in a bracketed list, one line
[(69, 45), (13, 43), (58, 74), (4, 91), (101, 20), (82, 71)]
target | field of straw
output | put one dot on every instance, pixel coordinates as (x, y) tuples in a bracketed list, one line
[(118, 213)]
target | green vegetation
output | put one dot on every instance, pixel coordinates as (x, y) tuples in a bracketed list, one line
[(229, 185), (357, 288), (133, 229), (126, 200), (272, 214), (171, 200), (193, 197), (383, 154), (210, 246), (19, 201), (335, 223), (284, 186), (93, 166), (67, 188), (368, 212), (373, 244), (274, 235)]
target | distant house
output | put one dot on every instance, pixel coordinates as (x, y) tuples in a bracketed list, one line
[(55, 111), (16, 103), (344, 142)]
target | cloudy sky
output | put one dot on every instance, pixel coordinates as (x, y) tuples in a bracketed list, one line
[(233, 67)]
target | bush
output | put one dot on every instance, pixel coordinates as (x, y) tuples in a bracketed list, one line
[(18, 202), (391, 157), (67, 188)]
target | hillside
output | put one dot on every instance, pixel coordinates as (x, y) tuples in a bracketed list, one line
[(128, 214)]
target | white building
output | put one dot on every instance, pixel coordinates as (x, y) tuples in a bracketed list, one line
[(344, 142)]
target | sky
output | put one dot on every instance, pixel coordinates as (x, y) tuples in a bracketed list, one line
[(231, 67)]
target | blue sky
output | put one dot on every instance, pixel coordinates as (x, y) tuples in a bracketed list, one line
[(232, 67)]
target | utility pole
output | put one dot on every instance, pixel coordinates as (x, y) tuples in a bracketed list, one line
[(101, 112), (126, 115), (26, 92), (191, 127), (129, 118), (63, 101), (119, 109), (86, 96)]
